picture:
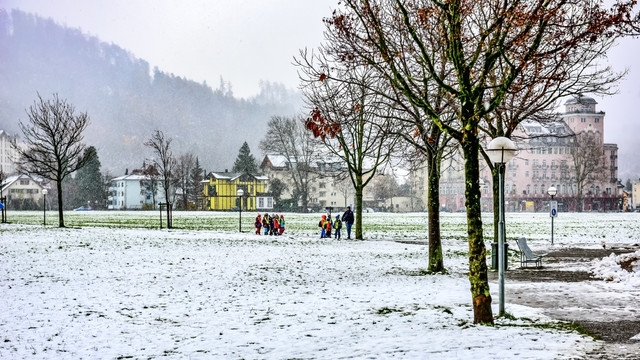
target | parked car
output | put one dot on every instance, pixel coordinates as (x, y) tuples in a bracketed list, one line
[(83, 208)]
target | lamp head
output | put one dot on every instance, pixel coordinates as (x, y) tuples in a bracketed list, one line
[(501, 150), (44, 191), (240, 192), (552, 191)]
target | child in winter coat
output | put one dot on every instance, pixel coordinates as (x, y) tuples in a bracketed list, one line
[(281, 224), (322, 225), (276, 225), (337, 225), (258, 224), (328, 228), (265, 224)]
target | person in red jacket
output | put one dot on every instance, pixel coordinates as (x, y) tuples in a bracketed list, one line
[(258, 224)]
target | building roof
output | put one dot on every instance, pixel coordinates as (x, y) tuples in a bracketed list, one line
[(581, 99), (234, 175), (13, 178), (133, 177), (275, 161)]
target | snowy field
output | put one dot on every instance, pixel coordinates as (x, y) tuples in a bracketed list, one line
[(114, 286)]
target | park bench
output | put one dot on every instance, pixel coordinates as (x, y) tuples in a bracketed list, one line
[(526, 255)]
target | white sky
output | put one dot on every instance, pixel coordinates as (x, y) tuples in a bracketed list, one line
[(246, 41)]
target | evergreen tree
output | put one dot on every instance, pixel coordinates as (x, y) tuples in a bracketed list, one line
[(89, 180), (245, 162), (196, 182)]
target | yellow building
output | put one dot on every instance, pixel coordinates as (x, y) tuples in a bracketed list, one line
[(221, 191)]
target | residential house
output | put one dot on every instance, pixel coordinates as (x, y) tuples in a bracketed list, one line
[(325, 188), (220, 191), (23, 192), (135, 191)]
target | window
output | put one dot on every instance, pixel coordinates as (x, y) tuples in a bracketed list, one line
[(24, 182), (260, 202), (269, 202)]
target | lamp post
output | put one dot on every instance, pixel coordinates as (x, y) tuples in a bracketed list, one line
[(553, 205), (240, 194), (500, 151), (44, 206)]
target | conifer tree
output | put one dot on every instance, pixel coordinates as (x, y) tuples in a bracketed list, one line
[(89, 180), (245, 162)]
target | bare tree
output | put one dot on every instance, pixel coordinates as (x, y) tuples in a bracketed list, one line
[(53, 143), (486, 48), (588, 162), (165, 162), (287, 136), (184, 176)]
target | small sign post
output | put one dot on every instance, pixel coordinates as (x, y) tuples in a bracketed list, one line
[(553, 214)]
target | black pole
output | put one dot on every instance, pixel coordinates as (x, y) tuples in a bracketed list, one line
[(240, 219), (44, 209)]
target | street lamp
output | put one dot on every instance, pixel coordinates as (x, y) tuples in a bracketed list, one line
[(44, 206), (240, 194), (500, 150), (553, 205)]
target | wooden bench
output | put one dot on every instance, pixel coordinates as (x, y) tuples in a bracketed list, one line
[(526, 255)]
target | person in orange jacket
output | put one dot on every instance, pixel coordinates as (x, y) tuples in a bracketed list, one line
[(322, 225)]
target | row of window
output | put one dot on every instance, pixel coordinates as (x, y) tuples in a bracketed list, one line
[(24, 191)]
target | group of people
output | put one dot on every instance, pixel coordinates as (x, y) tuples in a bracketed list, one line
[(327, 225), (274, 224), (271, 225)]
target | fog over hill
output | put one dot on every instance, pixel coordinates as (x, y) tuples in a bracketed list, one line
[(125, 99)]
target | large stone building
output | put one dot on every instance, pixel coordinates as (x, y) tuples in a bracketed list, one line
[(544, 159), (548, 157)]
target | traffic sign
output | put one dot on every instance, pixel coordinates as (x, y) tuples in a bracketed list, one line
[(554, 208)]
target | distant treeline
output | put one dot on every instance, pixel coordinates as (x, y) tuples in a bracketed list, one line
[(125, 99)]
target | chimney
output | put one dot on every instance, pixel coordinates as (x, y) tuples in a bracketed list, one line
[(126, 171), (226, 170)]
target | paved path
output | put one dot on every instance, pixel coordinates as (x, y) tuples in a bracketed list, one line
[(565, 290)]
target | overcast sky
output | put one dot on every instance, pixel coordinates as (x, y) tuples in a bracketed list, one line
[(245, 41)]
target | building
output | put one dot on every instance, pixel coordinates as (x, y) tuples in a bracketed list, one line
[(23, 192), (7, 154), (547, 157), (220, 191), (135, 191), (325, 187), (544, 159)]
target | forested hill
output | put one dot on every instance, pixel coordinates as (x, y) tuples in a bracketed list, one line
[(125, 99)]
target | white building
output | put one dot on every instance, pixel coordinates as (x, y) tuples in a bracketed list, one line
[(7, 154), (22, 192), (130, 192)]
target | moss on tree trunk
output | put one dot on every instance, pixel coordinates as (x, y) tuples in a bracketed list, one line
[(436, 263), (478, 279)]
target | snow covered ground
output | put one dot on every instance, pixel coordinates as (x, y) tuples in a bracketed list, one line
[(207, 291)]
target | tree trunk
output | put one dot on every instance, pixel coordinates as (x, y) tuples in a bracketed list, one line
[(436, 263), (60, 213), (359, 188), (477, 252)]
